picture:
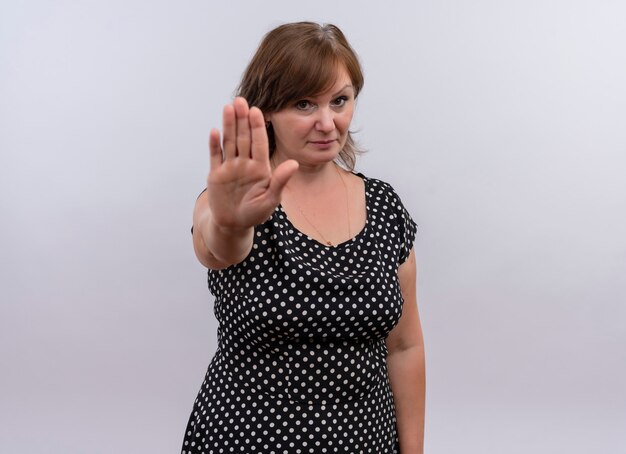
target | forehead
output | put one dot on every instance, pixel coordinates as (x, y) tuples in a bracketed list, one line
[(340, 80)]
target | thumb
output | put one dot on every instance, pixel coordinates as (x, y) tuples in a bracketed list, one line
[(281, 176)]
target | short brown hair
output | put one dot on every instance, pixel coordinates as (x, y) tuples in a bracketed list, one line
[(297, 60)]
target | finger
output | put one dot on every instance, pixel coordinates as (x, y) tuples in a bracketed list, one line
[(281, 176), (229, 128), (215, 149), (243, 127), (260, 144)]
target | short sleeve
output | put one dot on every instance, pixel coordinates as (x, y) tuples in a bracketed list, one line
[(407, 228), (204, 190)]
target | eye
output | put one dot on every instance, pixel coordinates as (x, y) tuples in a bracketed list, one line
[(340, 101), (303, 105)]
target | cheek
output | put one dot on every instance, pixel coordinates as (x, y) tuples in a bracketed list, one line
[(289, 131), (343, 121), (299, 128)]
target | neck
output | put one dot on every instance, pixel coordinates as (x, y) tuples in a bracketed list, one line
[(311, 177), (312, 201)]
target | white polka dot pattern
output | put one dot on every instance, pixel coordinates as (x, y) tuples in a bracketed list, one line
[(301, 359)]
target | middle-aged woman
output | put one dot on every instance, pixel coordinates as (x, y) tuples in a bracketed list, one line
[(311, 265)]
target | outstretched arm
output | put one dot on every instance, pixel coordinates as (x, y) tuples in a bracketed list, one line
[(242, 190)]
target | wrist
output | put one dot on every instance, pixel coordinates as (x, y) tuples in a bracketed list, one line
[(229, 230)]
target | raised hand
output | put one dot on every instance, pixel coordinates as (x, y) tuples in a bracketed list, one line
[(242, 189)]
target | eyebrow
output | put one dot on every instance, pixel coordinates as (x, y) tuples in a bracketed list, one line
[(343, 88)]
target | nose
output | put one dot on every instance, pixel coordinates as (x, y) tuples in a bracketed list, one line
[(325, 121)]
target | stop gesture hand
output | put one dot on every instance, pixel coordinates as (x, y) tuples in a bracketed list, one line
[(242, 189)]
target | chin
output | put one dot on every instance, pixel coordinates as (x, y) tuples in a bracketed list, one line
[(326, 155), (317, 158)]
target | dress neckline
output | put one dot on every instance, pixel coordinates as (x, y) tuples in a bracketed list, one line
[(360, 233)]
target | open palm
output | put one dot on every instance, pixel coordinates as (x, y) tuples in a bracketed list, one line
[(243, 190)]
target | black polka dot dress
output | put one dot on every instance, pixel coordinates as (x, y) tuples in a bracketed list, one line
[(301, 360)]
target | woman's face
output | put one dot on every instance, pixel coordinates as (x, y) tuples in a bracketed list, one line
[(313, 130)]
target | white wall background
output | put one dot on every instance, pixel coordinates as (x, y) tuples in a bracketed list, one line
[(501, 123)]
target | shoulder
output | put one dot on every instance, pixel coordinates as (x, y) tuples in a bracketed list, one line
[(380, 190), (386, 200), (390, 213)]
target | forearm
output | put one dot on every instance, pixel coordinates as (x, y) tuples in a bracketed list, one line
[(217, 247), (228, 245), (408, 384)]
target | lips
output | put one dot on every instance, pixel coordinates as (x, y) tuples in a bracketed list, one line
[(322, 142)]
